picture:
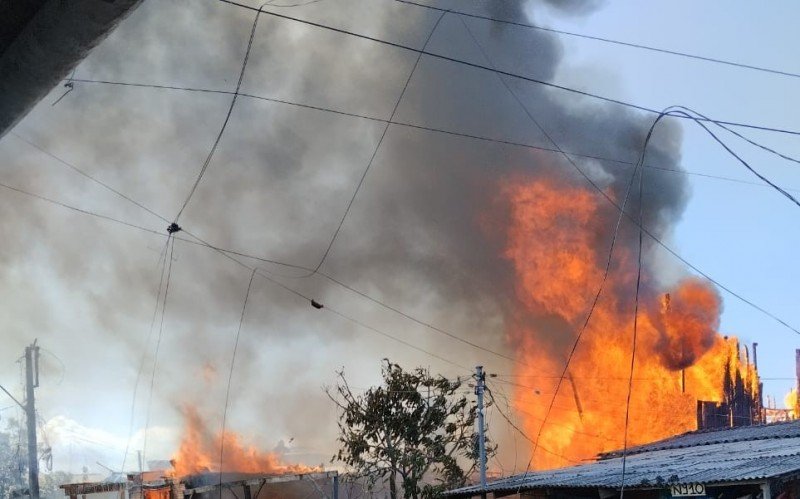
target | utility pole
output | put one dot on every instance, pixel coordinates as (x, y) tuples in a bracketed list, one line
[(31, 382), (480, 385)]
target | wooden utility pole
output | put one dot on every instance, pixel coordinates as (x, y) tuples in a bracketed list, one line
[(31, 382)]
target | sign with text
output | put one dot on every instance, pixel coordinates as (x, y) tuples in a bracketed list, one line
[(688, 489)]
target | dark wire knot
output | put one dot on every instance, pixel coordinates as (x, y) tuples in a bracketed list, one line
[(173, 227)]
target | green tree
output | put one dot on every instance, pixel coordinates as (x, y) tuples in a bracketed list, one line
[(13, 468), (14, 464), (415, 429), (49, 482)]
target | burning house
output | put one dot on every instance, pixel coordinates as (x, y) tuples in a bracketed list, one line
[(751, 462), (741, 403), (151, 485), (687, 375), (208, 465)]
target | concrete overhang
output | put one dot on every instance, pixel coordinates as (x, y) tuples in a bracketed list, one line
[(41, 41)]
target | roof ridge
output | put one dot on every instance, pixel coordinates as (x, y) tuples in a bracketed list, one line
[(674, 441)]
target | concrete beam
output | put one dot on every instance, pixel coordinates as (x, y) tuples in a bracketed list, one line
[(52, 43)]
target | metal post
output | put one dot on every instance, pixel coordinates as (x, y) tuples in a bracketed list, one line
[(480, 378), (755, 356), (797, 385), (765, 491), (335, 486), (31, 356), (683, 380)]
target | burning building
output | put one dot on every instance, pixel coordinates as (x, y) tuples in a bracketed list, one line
[(741, 403), (208, 465), (558, 237), (212, 485)]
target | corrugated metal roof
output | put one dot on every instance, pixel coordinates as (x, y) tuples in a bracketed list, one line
[(706, 437), (731, 455)]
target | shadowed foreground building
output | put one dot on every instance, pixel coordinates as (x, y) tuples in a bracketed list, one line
[(749, 462), (155, 485)]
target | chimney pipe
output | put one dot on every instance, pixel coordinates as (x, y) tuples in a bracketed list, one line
[(797, 366), (755, 356), (797, 385)]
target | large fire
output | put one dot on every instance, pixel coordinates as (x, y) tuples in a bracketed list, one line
[(791, 403), (199, 452), (557, 240)]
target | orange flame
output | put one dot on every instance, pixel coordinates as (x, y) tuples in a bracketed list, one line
[(199, 452), (557, 240), (790, 401)]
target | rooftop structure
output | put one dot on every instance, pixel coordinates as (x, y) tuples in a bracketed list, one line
[(758, 461)]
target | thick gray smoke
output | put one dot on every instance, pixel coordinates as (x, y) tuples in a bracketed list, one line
[(277, 187)]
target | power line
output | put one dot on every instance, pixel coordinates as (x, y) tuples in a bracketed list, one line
[(611, 41), (202, 242), (318, 305), (536, 388), (565, 426), (452, 132), (300, 267), (229, 252), (524, 435), (510, 430), (497, 71), (144, 354), (555, 376), (171, 243), (722, 286), (416, 320), (568, 155), (227, 117), (746, 139), (377, 148), (12, 397), (476, 137), (61, 363), (79, 210), (84, 174), (635, 327), (230, 376), (298, 4), (673, 112), (535, 395), (387, 335), (718, 177), (199, 241)]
